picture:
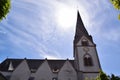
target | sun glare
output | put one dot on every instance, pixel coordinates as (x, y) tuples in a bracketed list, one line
[(66, 17)]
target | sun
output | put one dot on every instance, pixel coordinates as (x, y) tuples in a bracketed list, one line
[(65, 17)]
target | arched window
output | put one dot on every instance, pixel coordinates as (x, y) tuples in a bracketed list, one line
[(84, 42), (88, 60)]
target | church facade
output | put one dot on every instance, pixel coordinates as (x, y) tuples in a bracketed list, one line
[(85, 64)]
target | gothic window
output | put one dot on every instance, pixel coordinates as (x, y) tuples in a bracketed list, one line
[(88, 60), (84, 42)]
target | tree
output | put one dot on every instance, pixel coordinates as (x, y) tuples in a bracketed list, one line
[(116, 4), (102, 76), (113, 77), (4, 8)]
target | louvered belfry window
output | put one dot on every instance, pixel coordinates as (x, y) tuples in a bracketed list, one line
[(88, 60), (84, 42)]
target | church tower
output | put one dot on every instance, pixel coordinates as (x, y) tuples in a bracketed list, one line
[(85, 54)]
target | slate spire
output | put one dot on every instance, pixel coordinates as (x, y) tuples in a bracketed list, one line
[(80, 26), (80, 29)]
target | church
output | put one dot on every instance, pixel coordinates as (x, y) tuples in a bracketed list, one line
[(84, 66)]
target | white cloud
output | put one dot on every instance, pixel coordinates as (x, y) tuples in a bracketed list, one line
[(31, 27), (98, 15), (2, 32), (112, 35), (35, 27)]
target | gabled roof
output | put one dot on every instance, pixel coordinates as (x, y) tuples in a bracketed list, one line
[(33, 63), (5, 64), (80, 30), (58, 63)]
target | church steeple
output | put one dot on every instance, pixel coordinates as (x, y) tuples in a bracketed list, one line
[(80, 29), (85, 54)]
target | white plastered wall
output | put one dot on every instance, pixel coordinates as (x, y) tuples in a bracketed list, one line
[(44, 72), (88, 71), (22, 72), (67, 72)]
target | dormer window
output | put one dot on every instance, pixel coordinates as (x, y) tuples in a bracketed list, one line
[(55, 69), (88, 60), (33, 70), (84, 42), (10, 68)]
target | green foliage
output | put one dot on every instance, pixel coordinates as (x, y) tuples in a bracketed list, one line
[(4, 8), (113, 77), (119, 16), (116, 4), (102, 76), (89, 78)]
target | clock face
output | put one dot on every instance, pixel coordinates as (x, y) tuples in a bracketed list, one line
[(86, 49)]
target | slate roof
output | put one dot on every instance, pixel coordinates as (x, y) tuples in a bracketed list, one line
[(5, 64), (58, 63), (33, 63), (80, 30)]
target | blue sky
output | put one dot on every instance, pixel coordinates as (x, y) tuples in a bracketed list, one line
[(46, 28)]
